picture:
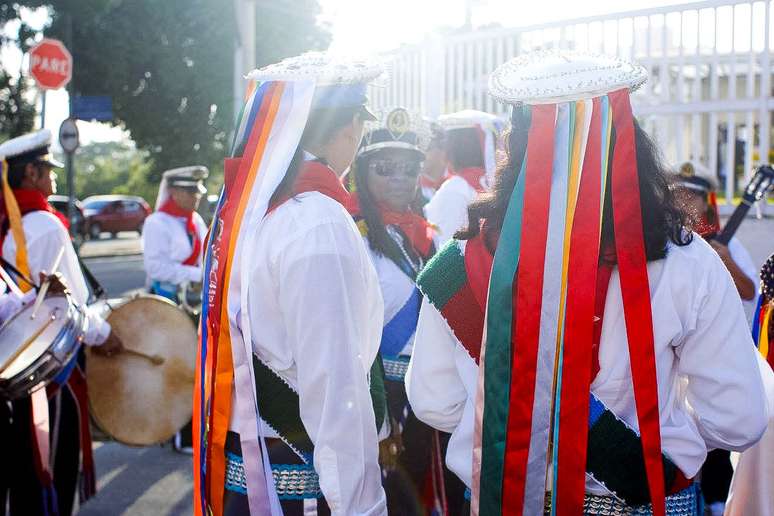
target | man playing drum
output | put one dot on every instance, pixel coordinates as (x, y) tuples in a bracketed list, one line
[(33, 237), (172, 242), (173, 236)]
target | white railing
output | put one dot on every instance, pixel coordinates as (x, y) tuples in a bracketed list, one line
[(709, 95)]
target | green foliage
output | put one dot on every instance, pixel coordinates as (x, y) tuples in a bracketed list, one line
[(112, 167), (168, 66), (17, 111)]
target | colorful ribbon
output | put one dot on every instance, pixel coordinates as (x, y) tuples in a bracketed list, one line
[(538, 350), (269, 131)]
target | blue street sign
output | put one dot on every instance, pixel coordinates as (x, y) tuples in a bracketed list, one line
[(92, 107)]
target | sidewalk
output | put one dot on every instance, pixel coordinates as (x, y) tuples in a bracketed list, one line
[(125, 244)]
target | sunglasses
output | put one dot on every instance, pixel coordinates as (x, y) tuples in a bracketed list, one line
[(390, 168)]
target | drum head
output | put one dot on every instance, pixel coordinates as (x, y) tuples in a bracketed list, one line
[(24, 340), (132, 400)]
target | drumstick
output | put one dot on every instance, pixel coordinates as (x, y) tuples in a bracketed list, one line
[(155, 359), (28, 342), (12, 286), (44, 287)]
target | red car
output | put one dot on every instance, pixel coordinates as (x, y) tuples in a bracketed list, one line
[(114, 213)]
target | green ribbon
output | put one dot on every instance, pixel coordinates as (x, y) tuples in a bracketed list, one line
[(497, 358)]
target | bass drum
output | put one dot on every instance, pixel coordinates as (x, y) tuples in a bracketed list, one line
[(134, 400)]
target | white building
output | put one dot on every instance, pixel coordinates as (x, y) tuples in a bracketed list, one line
[(709, 96)]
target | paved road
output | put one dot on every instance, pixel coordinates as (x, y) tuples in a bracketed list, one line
[(156, 480)]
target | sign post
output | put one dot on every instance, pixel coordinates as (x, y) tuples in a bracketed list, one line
[(70, 141)]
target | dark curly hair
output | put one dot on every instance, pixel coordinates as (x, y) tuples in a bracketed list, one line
[(662, 220)]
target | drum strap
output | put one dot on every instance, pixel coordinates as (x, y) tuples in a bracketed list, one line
[(96, 288), (88, 482)]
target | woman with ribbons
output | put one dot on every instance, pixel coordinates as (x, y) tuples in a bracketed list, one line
[(583, 347), (284, 420), (388, 212)]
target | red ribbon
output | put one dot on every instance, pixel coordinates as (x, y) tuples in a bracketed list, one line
[(635, 291), (170, 207), (79, 389), (527, 305), (579, 329)]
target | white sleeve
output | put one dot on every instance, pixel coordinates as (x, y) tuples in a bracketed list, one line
[(433, 385), (324, 301), (448, 210), (42, 251), (725, 384), (10, 303), (745, 262), (156, 247)]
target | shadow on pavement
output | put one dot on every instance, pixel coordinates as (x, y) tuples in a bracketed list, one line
[(153, 480)]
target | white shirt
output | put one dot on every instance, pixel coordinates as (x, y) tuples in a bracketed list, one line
[(10, 302), (742, 258), (448, 209), (314, 296), (710, 377), (45, 236), (166, 246)]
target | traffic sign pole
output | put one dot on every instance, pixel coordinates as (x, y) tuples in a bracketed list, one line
[(43, 111), (69, 140)]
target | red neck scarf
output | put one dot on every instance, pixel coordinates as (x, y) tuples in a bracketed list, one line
[(426, 182), (28, 201), (315, 176), (170, 207), (416, 228), (472, 176)]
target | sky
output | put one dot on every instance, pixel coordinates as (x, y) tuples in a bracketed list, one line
[(372, 26)]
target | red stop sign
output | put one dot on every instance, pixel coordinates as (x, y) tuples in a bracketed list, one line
[(51, 64)]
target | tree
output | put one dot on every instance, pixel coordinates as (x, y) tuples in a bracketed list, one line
[(113, 167), (168, 66), (17, 112)]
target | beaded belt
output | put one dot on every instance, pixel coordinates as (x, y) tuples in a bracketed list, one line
[(684, 503), (395, 367), (291, 481)]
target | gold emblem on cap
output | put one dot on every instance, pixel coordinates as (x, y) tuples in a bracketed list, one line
[(398, 122), (687, 169)]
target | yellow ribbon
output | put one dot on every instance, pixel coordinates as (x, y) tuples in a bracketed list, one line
[(763, 340), (15, 223)]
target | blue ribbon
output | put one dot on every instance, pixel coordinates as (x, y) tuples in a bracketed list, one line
[(401, 327)]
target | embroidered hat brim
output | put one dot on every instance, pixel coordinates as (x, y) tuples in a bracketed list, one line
[(551, 77)]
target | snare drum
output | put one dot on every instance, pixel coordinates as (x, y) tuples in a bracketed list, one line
[(34, 351)]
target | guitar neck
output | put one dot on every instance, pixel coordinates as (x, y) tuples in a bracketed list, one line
[(733, 222)]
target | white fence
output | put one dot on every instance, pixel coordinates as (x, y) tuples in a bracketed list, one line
[(709, 95)]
